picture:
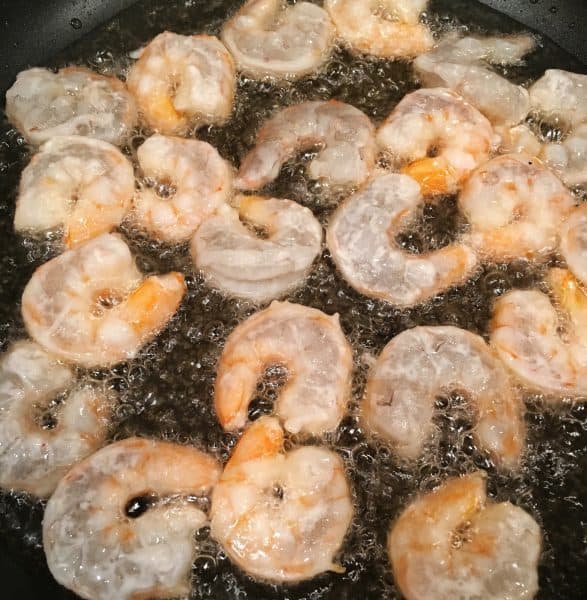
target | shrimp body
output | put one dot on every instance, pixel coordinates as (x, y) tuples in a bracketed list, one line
[(345, 136), (34, 459), (573, 243), (73, 101), (80, 184), (388, 28), (436, 120), (422, 363), (91, 545), (237, 261), (201, 180), (269, 38), (495, 558), (281, 517), (180, 81), (515, 206), (461, 65), (568, 159), (313, 349), (92, 307), (361, 239)]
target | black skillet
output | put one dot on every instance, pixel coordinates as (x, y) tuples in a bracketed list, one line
[(32, 32)]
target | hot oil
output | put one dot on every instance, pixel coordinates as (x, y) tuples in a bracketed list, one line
[(167, 391)]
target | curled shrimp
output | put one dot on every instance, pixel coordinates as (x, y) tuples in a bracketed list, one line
[(92, 307), (388, 28), (33, 458), (573, 243), (198, 178), (82, 185), (544, 348), (568, 159), (93, 545), (269, 38), (454, 544), (239, 262), (461, 65), (515, 206), (281, 517), (313, 349), (361, 238), (440, 136), (344, 135), (183, 80), (73, 101), (422, 363)]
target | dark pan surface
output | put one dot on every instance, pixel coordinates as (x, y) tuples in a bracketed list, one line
[(167, 391)]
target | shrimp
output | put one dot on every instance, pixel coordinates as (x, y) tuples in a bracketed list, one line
[(281, 517), (200, 181), (183, 80), (80, 184), (460, 64), (544, 349), (313, 349), (384, 28), (573, 243), (568, 159), (344, 135), (422, 363), (454, 544), (441, 137), (362, 241), (515, 206), (270, 38), (235, 260), (96, 548), (33, 458), (73, 101), (92, 307)]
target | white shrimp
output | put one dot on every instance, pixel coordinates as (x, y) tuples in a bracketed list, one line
[(568, 159), (439, 122), (545, 349), (422, 363), (361, 238), (313, 349), (239, 262), (92, 307), (515, 206), (384, 28), (200, 181), (73, 101), (181, 81), (454, 544), (270, 38), (94, 547), (82, 185), (33, 458), (344, 135), (573, 242), (460, 64), (281, 517)]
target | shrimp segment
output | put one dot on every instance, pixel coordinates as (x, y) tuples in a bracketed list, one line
[(237, 261), (269, 38), (422, 363), (345, 136), (318, 358), (73, 101), (90, 306), (361, 238), (436, 120), (180, 81), (201, 180), (281, 517), (495, 558), (81, 184), (573, 242), (92, 545), (515, 207), (388, 28), (34, 459)]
